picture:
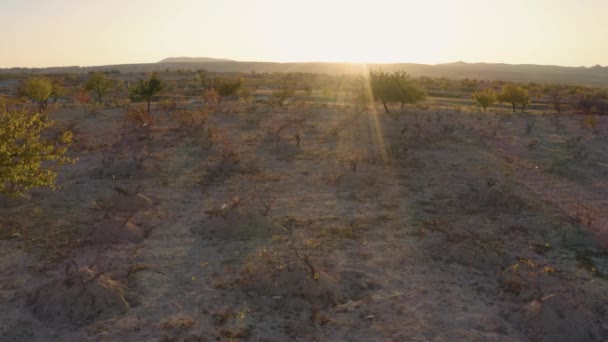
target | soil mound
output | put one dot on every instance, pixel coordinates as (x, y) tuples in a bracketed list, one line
[(9, 202), (352, 182), (111, 231), (467, 253), (557, 319), (281, 272), (295, 280), (78, 298), (236, 224), (286, 151), (123, 202)]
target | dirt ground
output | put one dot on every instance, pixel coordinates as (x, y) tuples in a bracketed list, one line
[(426, 224)]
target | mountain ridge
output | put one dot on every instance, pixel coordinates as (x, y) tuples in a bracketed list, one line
[(595, 75)]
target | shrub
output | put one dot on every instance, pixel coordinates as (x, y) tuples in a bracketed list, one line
[(137, 120), (195, 119), (83, 98), (28, 160), (515, 95), (485, 98), (167, 106), (39, 90), (211, 97)]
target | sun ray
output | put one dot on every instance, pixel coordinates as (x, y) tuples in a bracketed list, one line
[(374, 122)]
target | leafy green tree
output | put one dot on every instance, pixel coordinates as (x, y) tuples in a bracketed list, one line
[(28, 160), (99, 84), (145, 90), (395, 87), (515, 95), (383, 88), (485, 98), (38, 89), (408, 91)]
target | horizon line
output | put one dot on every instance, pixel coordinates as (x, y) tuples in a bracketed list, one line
[(227, 60)]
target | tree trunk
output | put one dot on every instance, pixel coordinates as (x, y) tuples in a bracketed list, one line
[(385, 106), (149, 107), (513, 104)]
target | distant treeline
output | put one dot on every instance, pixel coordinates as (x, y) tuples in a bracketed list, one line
[(396, 87)]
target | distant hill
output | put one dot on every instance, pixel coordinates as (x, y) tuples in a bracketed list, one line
[(596, 75), (193, 60)]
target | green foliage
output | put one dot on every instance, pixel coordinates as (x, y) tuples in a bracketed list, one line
[(57, 89), (145, 90), (99, 84), (485, 98), (395, 87), (223, 86), (226, 87), (27, 159), (38, 89), (515, 95)]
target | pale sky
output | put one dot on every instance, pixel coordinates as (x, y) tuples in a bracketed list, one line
[(38, 33)]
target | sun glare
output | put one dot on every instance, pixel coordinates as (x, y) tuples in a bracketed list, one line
[(433, 31), (362, 32)]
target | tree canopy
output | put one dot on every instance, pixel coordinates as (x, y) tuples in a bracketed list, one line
[(28, 160), (515, 95), (39, 89), (145, 90), (394, 88), (99, 84), (485, 98)]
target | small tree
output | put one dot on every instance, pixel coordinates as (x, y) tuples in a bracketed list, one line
[(83, 98), (99, 84), (395, 87), (145, 90), (28, 160), (383, 88), (485, 98), (38, 89), (515, 95), (409, 93)]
